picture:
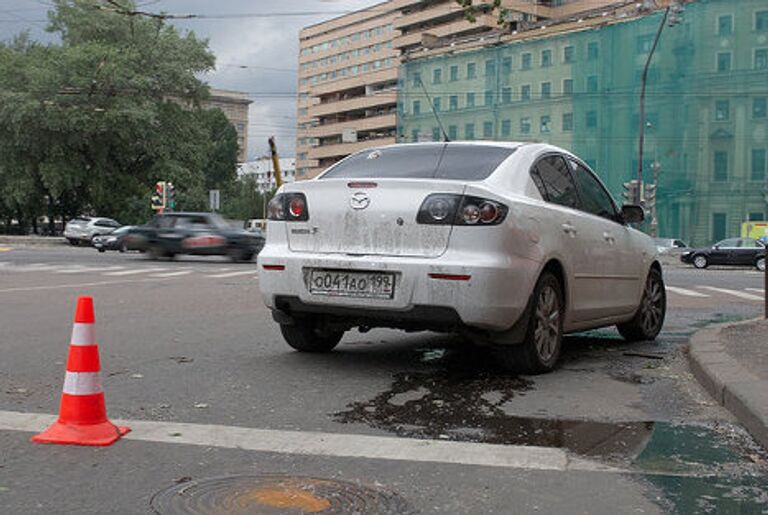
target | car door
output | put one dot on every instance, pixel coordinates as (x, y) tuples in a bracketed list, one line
[(746, 253), (722, 251), (575, 235), (620, 259)]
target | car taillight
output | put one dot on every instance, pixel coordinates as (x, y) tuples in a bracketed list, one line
[(290, 207), (453, 209)]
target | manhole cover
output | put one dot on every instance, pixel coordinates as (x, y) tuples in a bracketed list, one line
[(275, 494)]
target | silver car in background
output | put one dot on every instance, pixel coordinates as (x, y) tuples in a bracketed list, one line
[(83, 228)]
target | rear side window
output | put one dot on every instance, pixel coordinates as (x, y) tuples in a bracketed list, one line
[(554, 181), (594, 198), (437, 161)]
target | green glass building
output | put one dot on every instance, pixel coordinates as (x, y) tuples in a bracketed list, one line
[(706, 122)]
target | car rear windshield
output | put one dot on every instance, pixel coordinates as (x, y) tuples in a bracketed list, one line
[(435, 161)]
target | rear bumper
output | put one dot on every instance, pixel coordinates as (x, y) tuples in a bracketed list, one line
[(493, 299)]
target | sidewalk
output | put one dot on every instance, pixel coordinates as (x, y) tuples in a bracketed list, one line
[(31, 240), (731, 362)]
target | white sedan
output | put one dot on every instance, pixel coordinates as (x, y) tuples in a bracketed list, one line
[(510, 244)]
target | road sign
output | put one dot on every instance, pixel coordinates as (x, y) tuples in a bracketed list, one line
[(214, 199)]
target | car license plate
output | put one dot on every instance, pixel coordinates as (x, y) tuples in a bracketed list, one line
[(345, 283)]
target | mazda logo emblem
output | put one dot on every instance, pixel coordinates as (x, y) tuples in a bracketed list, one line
[(359, 200)]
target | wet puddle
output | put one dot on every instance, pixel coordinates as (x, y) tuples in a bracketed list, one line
[(460, 394)]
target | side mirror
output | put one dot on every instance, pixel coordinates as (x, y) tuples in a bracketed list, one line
[(717, 247), (632, 214)]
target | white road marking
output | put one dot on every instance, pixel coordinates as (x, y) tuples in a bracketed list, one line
[(88, 269), (76, 285), (135, 271), (232, 274), (735, 293), (756, 290), (684, 292), (33, 267), (172, 274), (311, 443)]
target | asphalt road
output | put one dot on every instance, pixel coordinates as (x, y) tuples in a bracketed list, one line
[(190, 341)]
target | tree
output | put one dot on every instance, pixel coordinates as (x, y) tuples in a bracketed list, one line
[(90, 124), (471, 10)]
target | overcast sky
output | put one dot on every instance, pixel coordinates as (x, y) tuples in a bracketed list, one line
[(256, 50)]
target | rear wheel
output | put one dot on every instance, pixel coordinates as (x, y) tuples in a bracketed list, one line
[(102, 250), (237, 254), (760, 264), (649, 319), (700, 261), (544, 337), (304, 336)]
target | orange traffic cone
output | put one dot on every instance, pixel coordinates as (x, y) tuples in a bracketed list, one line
[(83, 413)]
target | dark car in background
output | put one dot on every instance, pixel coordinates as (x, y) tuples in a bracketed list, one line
[(733, 251), (116, 240), (203, 234)]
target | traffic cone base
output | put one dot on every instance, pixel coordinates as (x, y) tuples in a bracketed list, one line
[(105, 433), (83, 413)]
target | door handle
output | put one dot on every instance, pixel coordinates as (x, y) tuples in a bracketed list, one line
[(569, 229), (609, 238)]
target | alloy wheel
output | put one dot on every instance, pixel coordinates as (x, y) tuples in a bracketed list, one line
[(653, 304), (699, 261), (761, 264), (547, 331)]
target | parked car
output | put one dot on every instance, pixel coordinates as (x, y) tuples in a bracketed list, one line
[(115, 240), (510, 244), (170, 234), (83, 228), (733, 251), (669, 245)]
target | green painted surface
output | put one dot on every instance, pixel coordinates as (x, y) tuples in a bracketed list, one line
[(706, 107)]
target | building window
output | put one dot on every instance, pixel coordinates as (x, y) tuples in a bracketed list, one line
[(415, 135), (469, 131), (720, 166), (436, 136), (725, 25), (546, 89), (644, 43), (453, 102), (593, 51), (471, 70), (719, 226), (592, 84), (437, 103), (525, 63), (722, 110), (569, 55), (761, 21), (591, 119), (546, 58), (487, 129), (525, 92), (756, 216), (758, 164), (723, 61), (489, 98), (490, 67), (761, 59), (454, 73), (417, 79), (437, 76), (545, 124), (759, 107), (525, 125), (567, 122), (506, 66), (470, 100), (506, 95), (453, 132), (506, 128), (568, 87), (417, 107)]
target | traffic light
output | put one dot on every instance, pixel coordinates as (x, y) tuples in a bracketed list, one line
[(170, 195), (158, 196), (631, 192), (649, 200)]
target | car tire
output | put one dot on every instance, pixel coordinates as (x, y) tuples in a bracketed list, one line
[(304, 337), (155, 253), (123, 248), (649, 318), (239, 255), (700, 261), (72, 242), (543, 342), (760, 264), (101, 250)]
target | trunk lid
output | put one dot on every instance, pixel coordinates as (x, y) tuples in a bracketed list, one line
[(378, 220)]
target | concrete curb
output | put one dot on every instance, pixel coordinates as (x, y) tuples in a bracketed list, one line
[(32, 240), (733, 386)]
